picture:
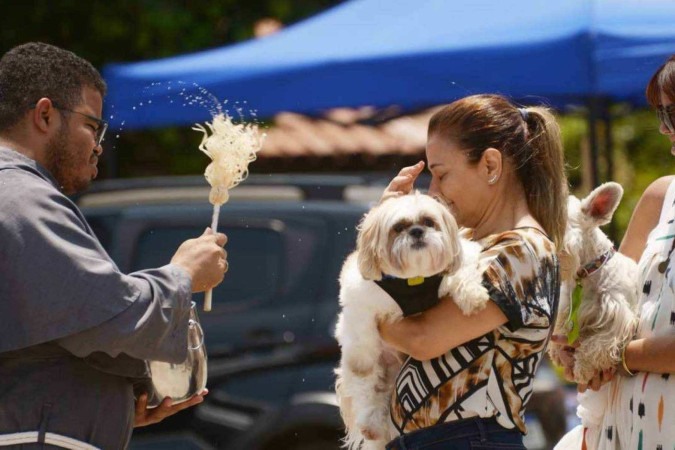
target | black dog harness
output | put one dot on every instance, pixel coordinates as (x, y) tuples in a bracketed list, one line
[(413, 295)]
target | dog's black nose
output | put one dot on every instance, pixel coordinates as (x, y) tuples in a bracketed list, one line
[(416, 232)]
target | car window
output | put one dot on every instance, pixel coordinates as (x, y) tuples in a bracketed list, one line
[(255, 256), (102, 227)]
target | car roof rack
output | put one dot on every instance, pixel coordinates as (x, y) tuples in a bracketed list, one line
[(359, 188)]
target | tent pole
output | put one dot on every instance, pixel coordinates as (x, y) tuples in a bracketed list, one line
[(593, 139), (609, 143), (609, 157), (111, 160)]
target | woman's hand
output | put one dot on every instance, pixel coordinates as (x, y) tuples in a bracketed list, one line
[(148, 416), (566, 355), (599, 379), (402, 184), (567, 362)]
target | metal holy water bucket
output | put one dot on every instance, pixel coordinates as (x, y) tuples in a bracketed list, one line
[(184, 380)]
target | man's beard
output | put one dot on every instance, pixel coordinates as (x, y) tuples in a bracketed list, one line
[(62, 162)]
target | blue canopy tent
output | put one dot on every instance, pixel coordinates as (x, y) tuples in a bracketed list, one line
[(411, 53), (415, 53)]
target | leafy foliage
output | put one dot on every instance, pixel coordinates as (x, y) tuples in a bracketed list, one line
[(640, 154), (130, 30)]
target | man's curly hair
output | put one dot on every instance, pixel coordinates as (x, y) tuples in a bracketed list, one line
[(35, 70)]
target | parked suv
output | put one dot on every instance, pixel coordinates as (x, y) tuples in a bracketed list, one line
[(269, 336)]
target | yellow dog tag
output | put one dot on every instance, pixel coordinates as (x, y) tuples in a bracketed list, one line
[(416, 281)]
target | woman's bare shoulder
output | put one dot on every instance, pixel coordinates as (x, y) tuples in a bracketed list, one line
[(651, 201), (645, 217)]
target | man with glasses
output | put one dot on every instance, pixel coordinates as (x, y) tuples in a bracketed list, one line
[(101, 125), (75, 332)]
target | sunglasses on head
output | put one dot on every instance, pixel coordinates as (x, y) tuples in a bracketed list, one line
[(666, 115)]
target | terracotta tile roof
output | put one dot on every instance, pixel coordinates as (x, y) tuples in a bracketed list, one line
[(345, 131)]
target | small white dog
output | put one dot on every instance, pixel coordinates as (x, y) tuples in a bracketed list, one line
[(603, 316), (605, 282), (414, 239)]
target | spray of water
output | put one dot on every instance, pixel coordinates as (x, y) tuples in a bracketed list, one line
[(231, 145)]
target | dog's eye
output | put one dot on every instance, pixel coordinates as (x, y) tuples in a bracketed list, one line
[(399, 227), (428, 222)]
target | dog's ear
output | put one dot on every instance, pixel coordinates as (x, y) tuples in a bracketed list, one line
[(600, 204), (367, 246), (451, 233)]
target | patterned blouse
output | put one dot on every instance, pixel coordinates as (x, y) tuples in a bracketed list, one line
[(491, 376)]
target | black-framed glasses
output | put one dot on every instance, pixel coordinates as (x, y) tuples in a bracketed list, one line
[(102, 124), (666, 115)]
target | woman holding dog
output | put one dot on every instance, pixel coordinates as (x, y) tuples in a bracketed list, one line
[(641, 411), (500, 170)]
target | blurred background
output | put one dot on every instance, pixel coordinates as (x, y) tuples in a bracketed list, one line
[(343, 91), (356, 137)]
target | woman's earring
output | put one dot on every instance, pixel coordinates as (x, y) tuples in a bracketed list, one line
[(493, 180)]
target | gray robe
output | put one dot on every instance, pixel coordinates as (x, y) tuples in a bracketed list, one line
[(74, 330)]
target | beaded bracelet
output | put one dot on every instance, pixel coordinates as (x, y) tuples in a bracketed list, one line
[(625, 371)]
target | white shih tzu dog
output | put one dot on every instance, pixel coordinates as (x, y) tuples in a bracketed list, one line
[(409, 248), (598, 303)]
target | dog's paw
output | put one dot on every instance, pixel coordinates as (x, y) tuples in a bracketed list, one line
[(373, 424), (471, 298), (583, 372), (370, 434), (554, 354)]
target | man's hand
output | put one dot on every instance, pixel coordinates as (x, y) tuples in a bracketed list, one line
[(148, 416), (204, 259), (402, 184)]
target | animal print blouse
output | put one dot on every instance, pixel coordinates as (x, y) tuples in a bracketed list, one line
[(493, 374)]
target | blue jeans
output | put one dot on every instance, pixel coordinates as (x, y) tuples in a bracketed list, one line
[(466, 434)]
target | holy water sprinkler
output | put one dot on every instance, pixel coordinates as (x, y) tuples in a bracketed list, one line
[(231, 148)]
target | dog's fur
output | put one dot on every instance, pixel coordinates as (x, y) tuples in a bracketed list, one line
[(386, 244), (607, 315)]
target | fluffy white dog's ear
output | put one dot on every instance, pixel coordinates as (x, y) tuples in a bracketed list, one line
[(599, 205), (368, 246), (451, 233)]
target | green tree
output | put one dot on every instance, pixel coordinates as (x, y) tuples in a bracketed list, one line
[(134, 30), (131, 30)]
